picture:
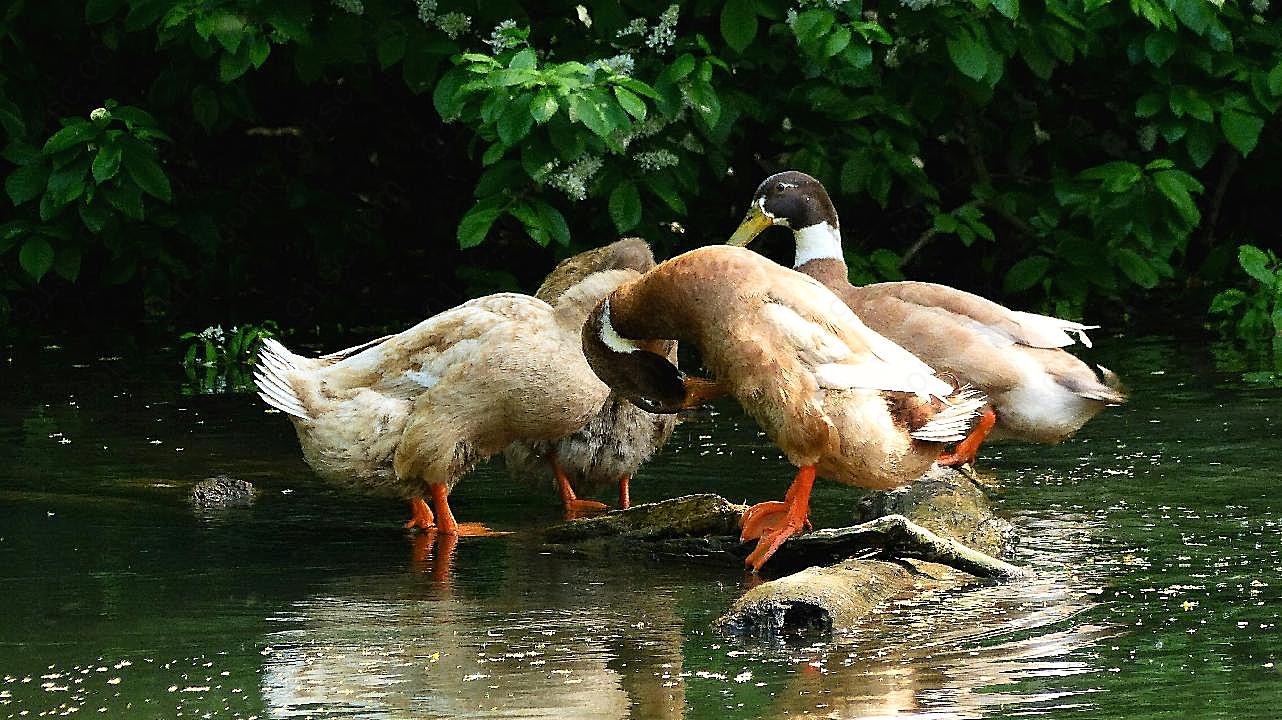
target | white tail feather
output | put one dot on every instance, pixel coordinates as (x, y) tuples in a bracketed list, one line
[(272, 378), (954, 421), (1047, 331)]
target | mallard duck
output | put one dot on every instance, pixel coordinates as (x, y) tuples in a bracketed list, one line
[(620, 437), (840, 400), (1037, 392), (411, 413)]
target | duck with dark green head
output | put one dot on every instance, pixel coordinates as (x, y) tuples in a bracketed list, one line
[(1037, 392)]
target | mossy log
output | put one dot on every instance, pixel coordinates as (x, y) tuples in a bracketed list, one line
[(220, 492), (908, 540)]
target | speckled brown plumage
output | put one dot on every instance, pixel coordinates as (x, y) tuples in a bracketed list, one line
[(620, 437)]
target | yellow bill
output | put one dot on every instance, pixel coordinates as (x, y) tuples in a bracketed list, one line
[(753, 223)]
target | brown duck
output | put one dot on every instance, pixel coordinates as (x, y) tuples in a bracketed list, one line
[(840, 400), (1037, 392), (411, 413), (620, 437)]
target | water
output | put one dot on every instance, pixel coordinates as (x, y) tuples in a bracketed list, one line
[(1156, 534)]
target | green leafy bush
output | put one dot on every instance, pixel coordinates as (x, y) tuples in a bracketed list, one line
[(1055, 153)]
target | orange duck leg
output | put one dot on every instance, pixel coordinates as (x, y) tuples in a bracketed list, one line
[(422, 518), (967, 449), (774, 522), (445, 522), (574, 507), (625, 498)]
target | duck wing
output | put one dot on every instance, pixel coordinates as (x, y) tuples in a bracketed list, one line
[(840, 351), (1001, 325)]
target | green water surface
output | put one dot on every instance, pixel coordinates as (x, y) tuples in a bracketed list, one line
[(1155, 534)]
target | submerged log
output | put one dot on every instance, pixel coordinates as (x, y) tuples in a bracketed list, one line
[(690, 516), (941, 522)]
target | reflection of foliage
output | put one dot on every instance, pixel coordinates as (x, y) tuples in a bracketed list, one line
[(1254, 315), (1059, 152), (221, 361)]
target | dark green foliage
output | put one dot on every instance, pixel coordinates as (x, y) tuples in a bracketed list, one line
[(220, 360), (278, 153)]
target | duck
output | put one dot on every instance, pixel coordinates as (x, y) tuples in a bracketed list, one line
[(840, 400), (620, 437), (410, 414), (1037, 391)]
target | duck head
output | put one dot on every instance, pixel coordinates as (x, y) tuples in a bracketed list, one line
[(644, 378), (797, 201)]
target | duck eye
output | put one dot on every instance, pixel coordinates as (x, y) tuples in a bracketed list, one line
[(781, 187)]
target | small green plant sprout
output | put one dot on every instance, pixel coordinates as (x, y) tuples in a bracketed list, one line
[(219, 360)]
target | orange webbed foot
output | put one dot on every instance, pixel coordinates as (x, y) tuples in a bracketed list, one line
[(422, 518), (967, 449), (777, 521), (575, 509)]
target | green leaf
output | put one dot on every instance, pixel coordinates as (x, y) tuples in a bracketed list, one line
[(634, 105), (1149, 105), (95, 216), (1226, 300), (126, 199), (552, 220), (66, 184), (106, 162), (391, 48), (100, 11), (679, 69), (592, 115), (233, 65), (36, 257), (229, 29), (1137, 269), (1242, 129), (259, 50), (543, 106), (1256, 264), (148, 176), (1009, 8), (449, 96), (1170, 184), (204, 106), (515, 122), (79, 131), (67, 263), (639, 88), (26, 183), (969, 56), (739, 23), (476, 222), (706, 103), (20, 152), (1160, 46), (1200, 142), (1026, 273), (524, 60), (625, 206), (1275, 79)]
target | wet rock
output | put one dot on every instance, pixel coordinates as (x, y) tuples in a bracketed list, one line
[(221, 492)]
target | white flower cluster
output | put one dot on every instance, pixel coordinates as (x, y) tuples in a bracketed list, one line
[(426, 11), (621, 64), (213, 334), (921, 4), (1147, 137), (790, 18), (904, 47), (636, 27), (355, 7), (665, 32), (1260, 5), (452, 24), (573, 181), (501, 38), (656, 160)]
